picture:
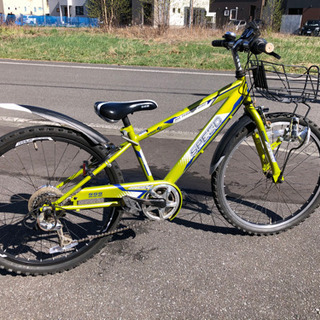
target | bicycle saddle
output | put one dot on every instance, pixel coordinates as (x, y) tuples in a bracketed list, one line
[(115, 111)]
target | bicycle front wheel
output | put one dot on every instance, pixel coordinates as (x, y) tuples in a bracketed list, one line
[(33, 164), (249, 199)]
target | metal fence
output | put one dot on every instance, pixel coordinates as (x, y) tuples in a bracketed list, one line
[(58, 21)]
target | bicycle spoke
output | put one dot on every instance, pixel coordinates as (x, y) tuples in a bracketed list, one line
[(258, 204), (31, 171)]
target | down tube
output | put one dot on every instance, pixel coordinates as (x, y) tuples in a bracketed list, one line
[(206, 135)]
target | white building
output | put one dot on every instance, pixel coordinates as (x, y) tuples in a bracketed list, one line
[(180, 12), (67, 8), (24, 7), (172, 12)]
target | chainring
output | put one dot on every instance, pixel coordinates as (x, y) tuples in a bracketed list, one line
[(173, 202)]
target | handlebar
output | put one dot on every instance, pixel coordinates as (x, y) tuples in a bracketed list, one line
[(218, 43), (248, 41)]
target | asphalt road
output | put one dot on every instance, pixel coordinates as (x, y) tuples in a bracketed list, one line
[(196, 267), (73, 89)]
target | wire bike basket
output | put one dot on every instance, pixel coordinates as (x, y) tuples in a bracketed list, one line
[(285, 83)]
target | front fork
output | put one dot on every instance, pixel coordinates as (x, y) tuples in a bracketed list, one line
[(264, 148)]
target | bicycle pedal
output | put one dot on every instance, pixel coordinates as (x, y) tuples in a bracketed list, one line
[(59, 249), (131, 205)]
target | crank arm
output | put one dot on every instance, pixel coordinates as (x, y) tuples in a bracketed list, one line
[(159, 203)]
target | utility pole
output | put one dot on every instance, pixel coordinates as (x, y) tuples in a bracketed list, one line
[(191, 14), (68, 10), (44, 12)]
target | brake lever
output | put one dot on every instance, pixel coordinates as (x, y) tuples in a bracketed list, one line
[(275, 55)]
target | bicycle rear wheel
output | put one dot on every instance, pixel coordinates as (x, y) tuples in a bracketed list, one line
[(33, 162), (249, 199)]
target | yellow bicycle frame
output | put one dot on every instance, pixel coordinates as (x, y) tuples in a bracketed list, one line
[(234, 94)]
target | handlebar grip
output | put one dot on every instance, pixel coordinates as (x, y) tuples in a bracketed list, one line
[(218, 43), (267, 47), (261, 46)]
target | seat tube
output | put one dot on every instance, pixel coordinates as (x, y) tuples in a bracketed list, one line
[(129, 135)]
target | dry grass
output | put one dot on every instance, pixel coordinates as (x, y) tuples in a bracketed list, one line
[(170, 36), (176, 47)]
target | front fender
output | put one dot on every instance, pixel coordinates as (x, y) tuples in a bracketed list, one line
[(64, 120)]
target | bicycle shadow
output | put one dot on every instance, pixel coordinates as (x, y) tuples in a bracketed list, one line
[(200, 213), (198, 209)]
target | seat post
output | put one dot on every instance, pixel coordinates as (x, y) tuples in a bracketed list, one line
[(126, 121)]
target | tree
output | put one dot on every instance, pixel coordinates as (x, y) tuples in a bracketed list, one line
[(272, 14), (110, 12)]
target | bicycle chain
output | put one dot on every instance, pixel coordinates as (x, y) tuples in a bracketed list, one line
[(109, 233), (52, 198)]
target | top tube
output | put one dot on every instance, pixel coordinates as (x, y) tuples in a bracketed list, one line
[(194, 109)]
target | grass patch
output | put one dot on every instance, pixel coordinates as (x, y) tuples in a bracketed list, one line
[(179, 48)]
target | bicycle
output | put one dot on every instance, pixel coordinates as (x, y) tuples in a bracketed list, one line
[(63, 194)]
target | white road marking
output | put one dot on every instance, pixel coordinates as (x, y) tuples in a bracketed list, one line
[(105, 129), (133, 69), (110, 129)]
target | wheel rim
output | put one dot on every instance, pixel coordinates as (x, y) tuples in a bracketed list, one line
[(30, 165), (254, 201)]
